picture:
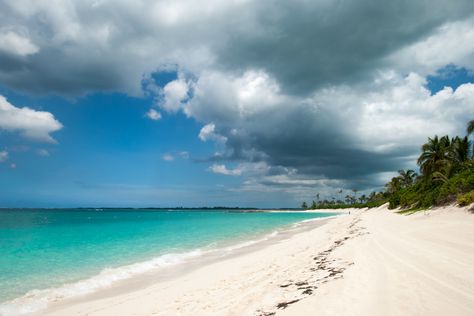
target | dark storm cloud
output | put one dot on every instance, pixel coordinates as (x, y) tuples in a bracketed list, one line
[(314, 143), (355, 135), (306, 44), (99, 45)]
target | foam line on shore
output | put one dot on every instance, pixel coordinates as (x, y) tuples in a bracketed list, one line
[(37, 300)]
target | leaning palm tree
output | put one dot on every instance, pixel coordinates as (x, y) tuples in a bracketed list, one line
[(444, 173), (434, 154)]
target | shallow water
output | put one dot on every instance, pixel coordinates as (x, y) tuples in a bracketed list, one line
[(49, 248)]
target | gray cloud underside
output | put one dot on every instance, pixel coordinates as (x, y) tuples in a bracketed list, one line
[(108, 45)]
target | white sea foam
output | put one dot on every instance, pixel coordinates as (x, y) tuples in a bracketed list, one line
[(250, 242), (36, 300), (317, 219)]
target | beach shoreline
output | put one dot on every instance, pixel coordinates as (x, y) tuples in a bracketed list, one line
[(232, 249), (123, 279), (370, 262)]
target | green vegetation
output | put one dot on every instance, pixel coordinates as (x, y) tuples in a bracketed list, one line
[(466, 199), (446, 176)]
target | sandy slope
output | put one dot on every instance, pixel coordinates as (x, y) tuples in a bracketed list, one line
[(368, 263)]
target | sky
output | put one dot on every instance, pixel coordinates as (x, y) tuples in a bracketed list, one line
[(224, 103)]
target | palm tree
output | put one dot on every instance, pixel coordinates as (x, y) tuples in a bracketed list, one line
[(460, 149), (407, 177), (470, 127), (470, 130), (446, 171), (355, 194), (348, 199), (434, 154), (394, 185)]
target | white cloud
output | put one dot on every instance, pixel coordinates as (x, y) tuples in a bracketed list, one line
[(395, 113), (174, 93), (167, 157), (381, 124), (16, 44), (42, 152), (35, 125), (184, 154), (3, 155), (153, 114), (208, 132), (247, 168), (223, 97), (222, 169), (452, 43)]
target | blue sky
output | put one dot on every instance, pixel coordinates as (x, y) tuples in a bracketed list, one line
[(252, 104), (108, 144)]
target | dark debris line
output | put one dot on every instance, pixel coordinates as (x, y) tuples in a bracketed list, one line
[(322, 263)]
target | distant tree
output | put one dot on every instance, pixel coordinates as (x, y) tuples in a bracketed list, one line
[(304, 206), (348, 199), (355, 192)]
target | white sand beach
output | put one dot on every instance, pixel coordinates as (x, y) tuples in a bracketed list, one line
[(371, 262)]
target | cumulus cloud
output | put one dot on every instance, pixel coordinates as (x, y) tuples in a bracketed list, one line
[(252, 169), (12, 43), (451, 43), (207, 132), (222, 169), (3, 155), (350, 133), (32, 124), (174, 93), (153, 115)]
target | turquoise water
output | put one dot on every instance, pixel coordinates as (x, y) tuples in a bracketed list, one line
[(48, 248)]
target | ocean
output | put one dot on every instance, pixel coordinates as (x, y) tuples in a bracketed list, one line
[(47, 254)]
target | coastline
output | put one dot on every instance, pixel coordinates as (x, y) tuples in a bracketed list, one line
[(367, 263), (122, 279)]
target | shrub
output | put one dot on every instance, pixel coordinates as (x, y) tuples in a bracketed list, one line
[(461, 183), (466, 199)]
